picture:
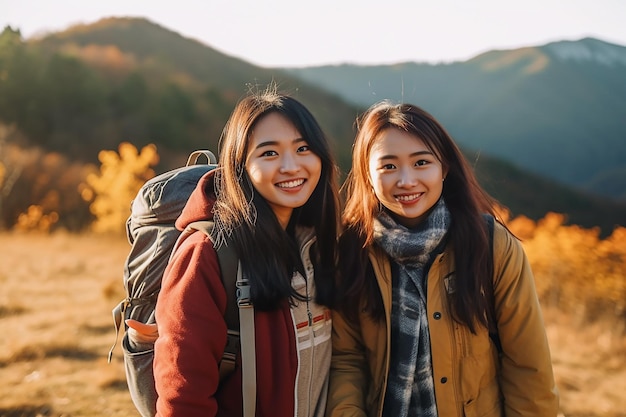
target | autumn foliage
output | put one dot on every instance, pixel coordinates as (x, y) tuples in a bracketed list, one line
[(575, 270), (112, 189), (39, 190)]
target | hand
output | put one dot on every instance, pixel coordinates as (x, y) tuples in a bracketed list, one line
[(142, 332)]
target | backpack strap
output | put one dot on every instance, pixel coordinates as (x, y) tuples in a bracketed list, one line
[(489, 293), (229, 265), (247, 340), (239, 318)]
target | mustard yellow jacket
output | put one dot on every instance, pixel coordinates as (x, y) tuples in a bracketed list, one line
[(470, 378)]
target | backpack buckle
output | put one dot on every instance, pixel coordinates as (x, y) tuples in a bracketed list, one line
[(243, 293), (243, 288)]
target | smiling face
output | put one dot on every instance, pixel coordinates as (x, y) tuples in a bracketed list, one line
[(406, 176), (281, 167)]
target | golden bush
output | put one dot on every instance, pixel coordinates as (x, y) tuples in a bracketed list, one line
[(575, 270), (35, 219), (111, 190)]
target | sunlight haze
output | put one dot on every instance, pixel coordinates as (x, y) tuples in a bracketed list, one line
[(279, 33)]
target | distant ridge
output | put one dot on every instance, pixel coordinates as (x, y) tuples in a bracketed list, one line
[(589, 50)]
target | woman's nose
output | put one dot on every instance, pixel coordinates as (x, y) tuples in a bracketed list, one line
[(407, 178), (289, 163)]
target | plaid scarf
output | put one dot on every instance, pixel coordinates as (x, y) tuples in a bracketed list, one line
[(410, 385)]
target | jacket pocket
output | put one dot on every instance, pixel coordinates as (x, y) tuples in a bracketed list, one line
[(488, 402)]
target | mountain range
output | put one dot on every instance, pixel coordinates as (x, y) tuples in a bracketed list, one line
[(129, 79)]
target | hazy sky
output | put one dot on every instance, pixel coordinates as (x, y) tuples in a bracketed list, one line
[(297, 33)]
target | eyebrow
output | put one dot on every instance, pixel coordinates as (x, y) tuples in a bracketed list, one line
[(384, 157), (275, 142)]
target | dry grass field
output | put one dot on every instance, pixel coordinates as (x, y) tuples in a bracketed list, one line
[(56, 294)]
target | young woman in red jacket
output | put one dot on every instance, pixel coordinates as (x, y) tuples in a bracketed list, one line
[(273, 198)]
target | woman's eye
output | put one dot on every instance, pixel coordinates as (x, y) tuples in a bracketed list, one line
[(269, 153), (388, 166), (303, 148), (421, 162)]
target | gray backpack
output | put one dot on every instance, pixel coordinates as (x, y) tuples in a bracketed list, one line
[(153, 237)]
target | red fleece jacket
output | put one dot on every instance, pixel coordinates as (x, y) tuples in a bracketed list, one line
[(192, 334)]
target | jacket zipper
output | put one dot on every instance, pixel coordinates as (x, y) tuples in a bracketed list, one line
[(304, 256), (312, 358)]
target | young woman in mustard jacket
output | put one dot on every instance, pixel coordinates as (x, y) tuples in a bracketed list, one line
[(424, 282)]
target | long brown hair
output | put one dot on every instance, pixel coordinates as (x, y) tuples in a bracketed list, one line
[(464, 197), (267, 252)]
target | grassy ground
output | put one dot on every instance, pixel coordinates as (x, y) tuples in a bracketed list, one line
[(55, 303), (56, 297)]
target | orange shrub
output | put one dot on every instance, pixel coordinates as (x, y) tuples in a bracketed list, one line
[(574, 269)]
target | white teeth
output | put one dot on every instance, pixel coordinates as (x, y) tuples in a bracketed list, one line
[(290, 184), (407, 197)]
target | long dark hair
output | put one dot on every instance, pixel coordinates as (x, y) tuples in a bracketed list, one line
[(465, 199), (268, 253)]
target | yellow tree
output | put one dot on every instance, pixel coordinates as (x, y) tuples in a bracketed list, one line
[(111, 190)]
